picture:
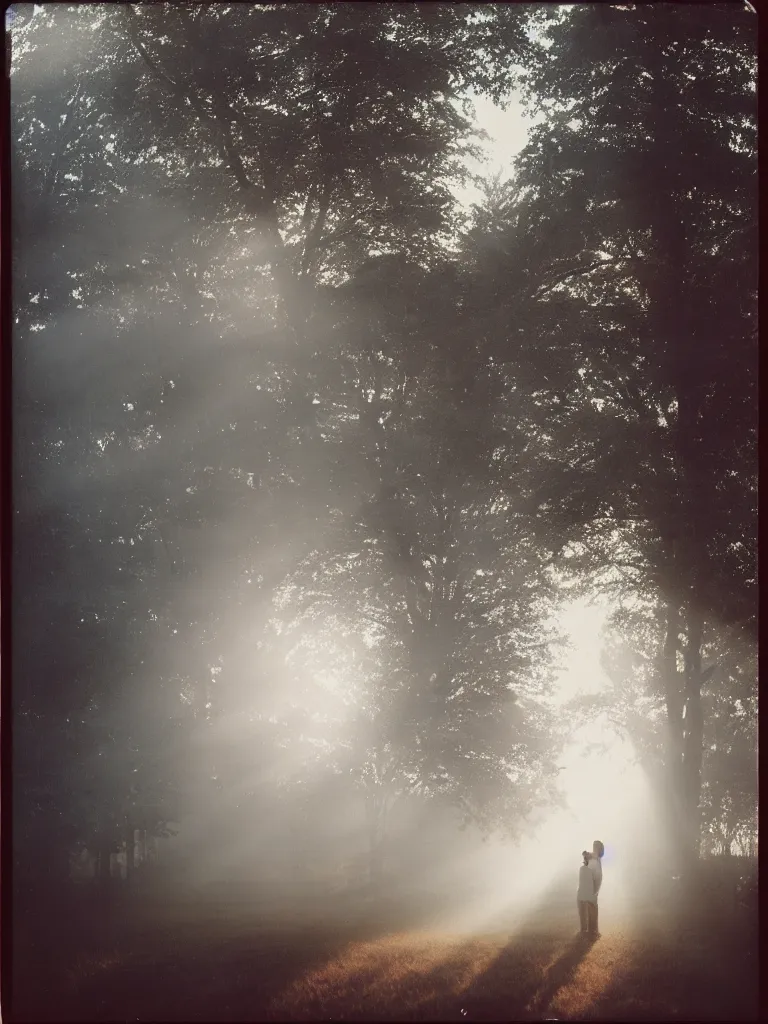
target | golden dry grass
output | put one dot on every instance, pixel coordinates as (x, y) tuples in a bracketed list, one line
[(406, 970), (229, 966)]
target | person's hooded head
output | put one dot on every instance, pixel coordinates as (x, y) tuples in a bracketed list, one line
[(598, 849)]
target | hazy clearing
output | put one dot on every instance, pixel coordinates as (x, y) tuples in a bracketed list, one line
[(223, 956)]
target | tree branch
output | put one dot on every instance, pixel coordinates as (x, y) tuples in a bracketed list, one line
[(262, 205), (314, 236), (307, 215), (573, 272), (63, 132)]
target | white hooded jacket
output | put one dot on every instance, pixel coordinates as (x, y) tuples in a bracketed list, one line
[(596, 867), (586, 893)]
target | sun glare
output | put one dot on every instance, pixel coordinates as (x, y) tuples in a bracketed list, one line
[(581, 672), (606, 796), (507, 132)]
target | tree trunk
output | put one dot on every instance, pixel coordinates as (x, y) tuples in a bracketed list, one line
[(374, 864), (693, 733), (675, 323), (104, 854), (376, 814), (58, 854), (685, 736), (130, 853), (673, 698)]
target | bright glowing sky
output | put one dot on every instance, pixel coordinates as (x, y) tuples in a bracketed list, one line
[(606, 790), (507, 131), (597, 784), (581, 671)]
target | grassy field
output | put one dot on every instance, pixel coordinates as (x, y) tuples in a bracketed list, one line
[(231, 961)]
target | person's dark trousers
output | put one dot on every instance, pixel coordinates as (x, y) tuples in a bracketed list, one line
[(583, 914), (592, 918)]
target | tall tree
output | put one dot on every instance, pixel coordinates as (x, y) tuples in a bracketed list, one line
[(451, 588), (244, 155), (636, 706), (643, 265)]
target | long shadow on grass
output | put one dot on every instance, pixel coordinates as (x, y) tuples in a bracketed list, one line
[(558, 976), (236, 970), (210, 968), (517, 985), (215, 967), (234, 980), (514, 988), (705, 974), (519, 980)]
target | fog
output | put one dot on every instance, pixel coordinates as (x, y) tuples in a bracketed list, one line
[(384, 460)]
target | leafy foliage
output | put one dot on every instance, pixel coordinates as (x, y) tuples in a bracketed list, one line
[(303, 453)]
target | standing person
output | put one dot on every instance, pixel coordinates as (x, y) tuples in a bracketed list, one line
[(586, 897), (596, 868)]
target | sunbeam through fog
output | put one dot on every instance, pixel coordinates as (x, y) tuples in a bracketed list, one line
[(383, 560)]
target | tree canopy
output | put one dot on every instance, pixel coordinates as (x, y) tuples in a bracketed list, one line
[(304, 452)]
